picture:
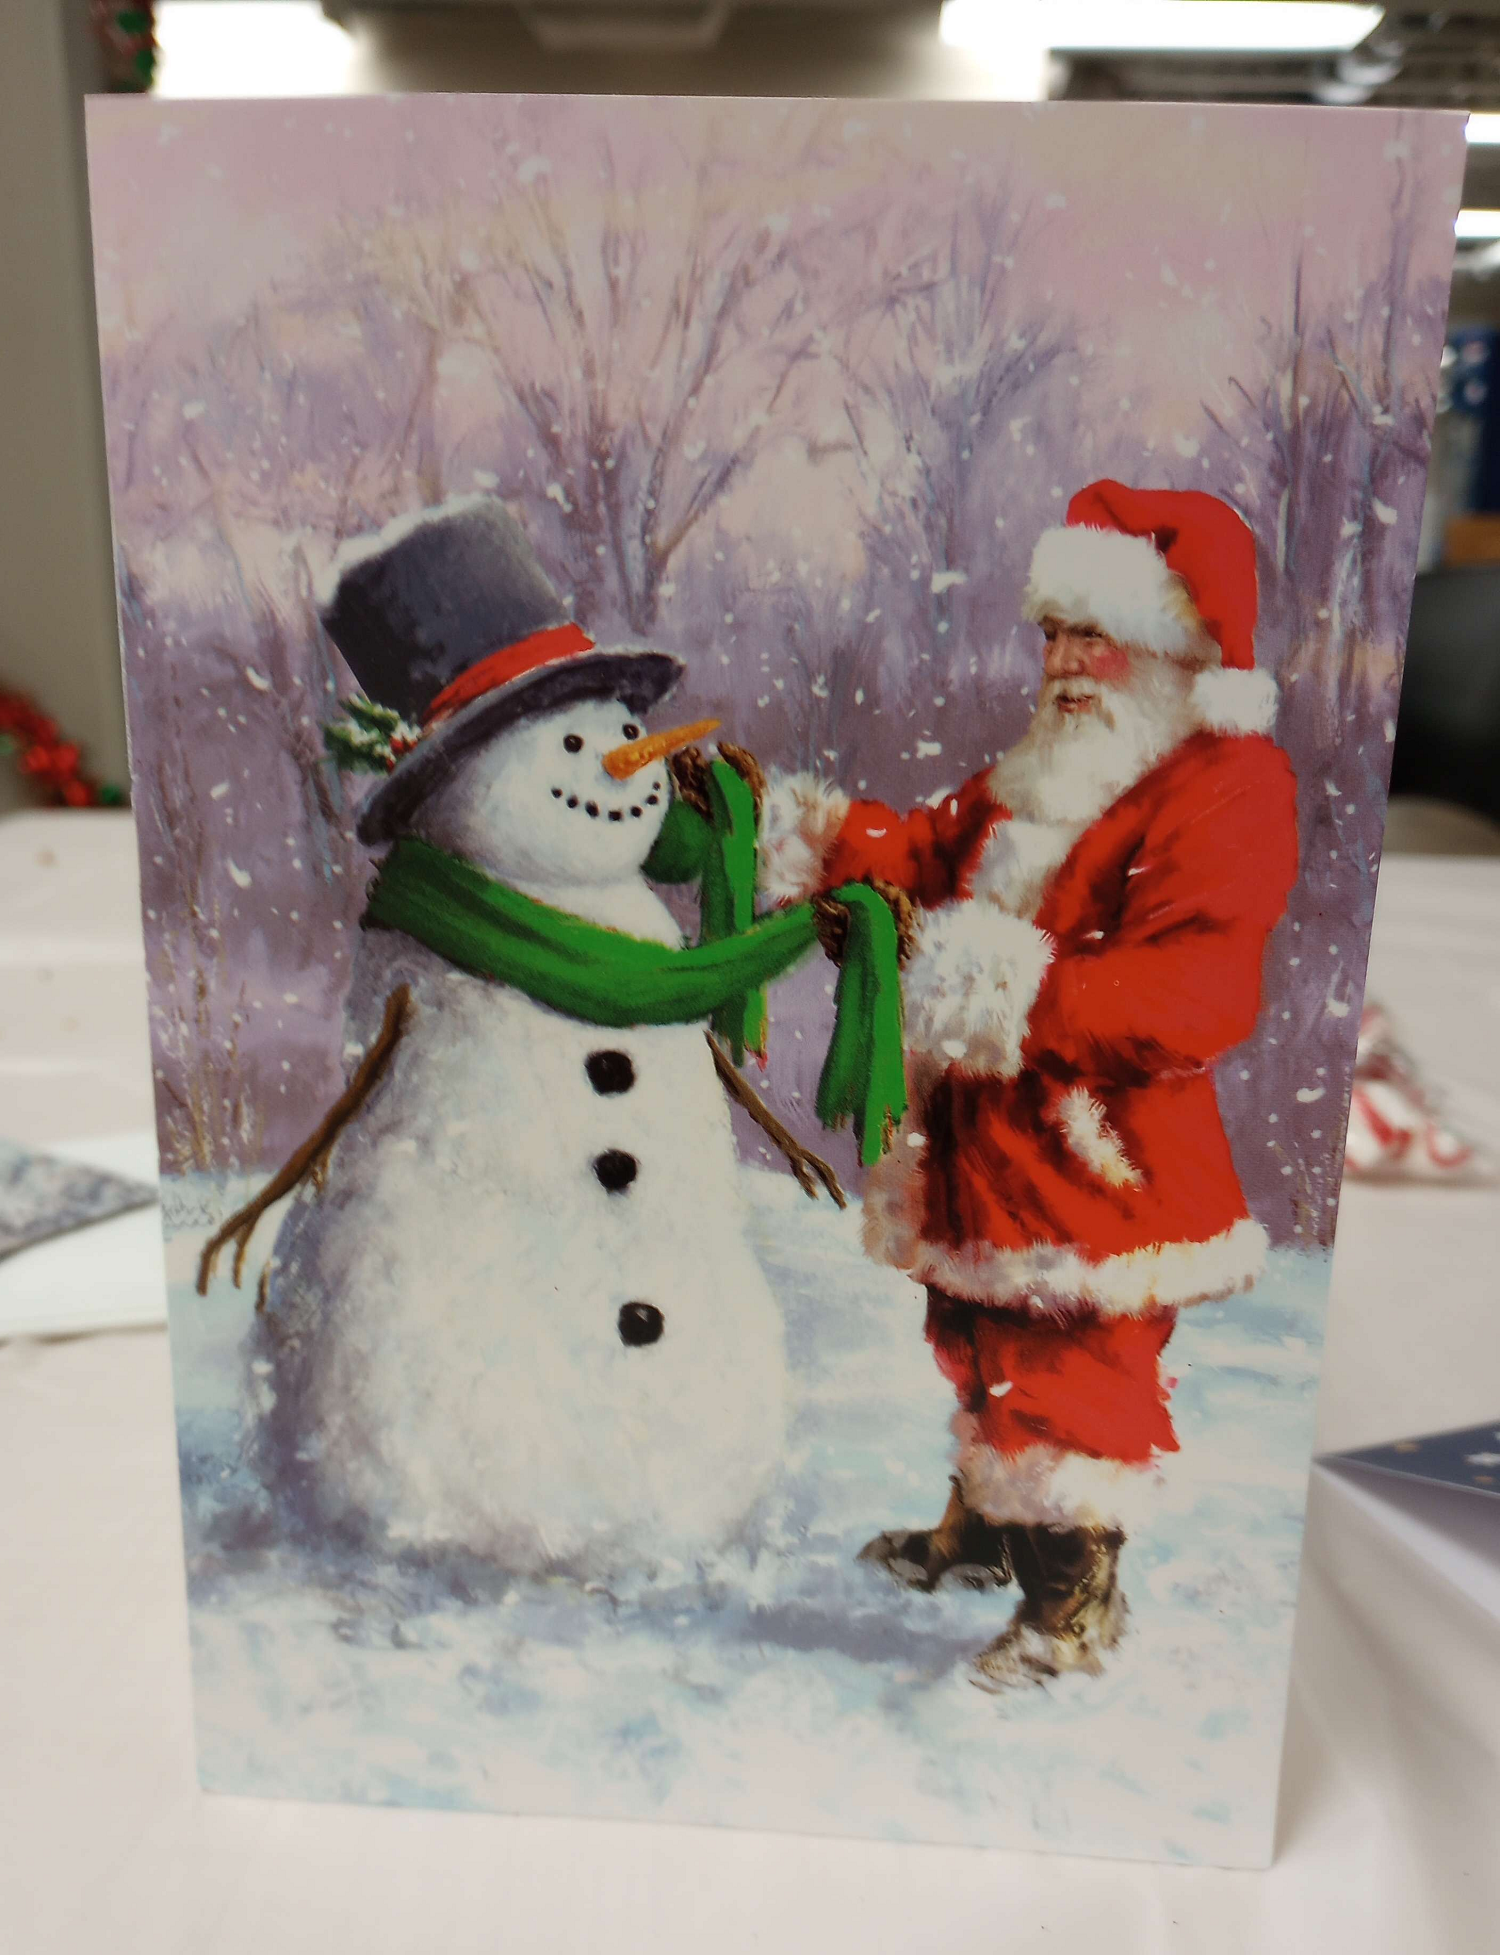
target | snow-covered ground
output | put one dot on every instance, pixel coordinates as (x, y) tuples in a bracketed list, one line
[(797, 1691)]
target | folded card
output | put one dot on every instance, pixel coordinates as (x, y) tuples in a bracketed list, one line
[(1437, 1498), (1468, 1459), (43, 1195), (97, 1264), (760, 734)]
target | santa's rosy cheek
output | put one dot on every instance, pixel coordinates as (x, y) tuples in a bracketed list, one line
[(1109, 662)]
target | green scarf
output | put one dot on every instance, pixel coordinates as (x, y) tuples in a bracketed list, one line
[(606, 977), (717, 851)]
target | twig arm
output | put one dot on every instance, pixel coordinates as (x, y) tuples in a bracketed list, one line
[(311, 1158), (803, 1163)]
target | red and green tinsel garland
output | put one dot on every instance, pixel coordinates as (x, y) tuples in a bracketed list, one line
[(126, 34), (47, 760)]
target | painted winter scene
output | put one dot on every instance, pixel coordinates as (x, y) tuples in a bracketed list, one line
[(759, 739)]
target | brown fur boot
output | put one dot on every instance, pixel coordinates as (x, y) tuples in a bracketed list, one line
[(1071, 1608), (962, 1540)]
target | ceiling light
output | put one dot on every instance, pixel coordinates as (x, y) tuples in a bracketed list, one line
[(1484, 129), (990, 29), (1474, 225), (250, 48)]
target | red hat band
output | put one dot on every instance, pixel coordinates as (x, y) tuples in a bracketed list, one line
[(501, 668)]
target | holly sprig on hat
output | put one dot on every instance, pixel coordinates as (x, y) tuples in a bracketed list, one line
[(370, 739)]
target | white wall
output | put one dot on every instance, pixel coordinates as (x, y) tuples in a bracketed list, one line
[(57, 615)]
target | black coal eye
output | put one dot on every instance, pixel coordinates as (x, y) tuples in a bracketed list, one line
[(573, 743), (631, 730)]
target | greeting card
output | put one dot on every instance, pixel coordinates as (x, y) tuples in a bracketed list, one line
[(759, 740)]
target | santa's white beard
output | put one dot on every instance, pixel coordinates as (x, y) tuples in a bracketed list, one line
[(1069, 767)]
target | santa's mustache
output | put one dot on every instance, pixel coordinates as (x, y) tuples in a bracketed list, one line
[(1073, 760), (1098, 696)]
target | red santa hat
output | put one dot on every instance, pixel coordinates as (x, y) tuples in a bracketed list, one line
[(1171, 570), (1151, 567)]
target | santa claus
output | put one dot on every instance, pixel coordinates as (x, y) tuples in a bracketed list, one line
[(1093, 915)]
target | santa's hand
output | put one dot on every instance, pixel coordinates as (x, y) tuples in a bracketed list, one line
[(690, 767), (749, 770), (831, 921), (689, 771)]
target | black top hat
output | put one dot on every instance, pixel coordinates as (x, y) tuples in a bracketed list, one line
[(447, 616)]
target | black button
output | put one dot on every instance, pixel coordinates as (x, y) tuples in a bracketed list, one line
[(615, 1169), (640, 1323), (610, 1072)]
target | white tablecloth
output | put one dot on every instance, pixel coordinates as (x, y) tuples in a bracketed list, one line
[(1390, 1810)]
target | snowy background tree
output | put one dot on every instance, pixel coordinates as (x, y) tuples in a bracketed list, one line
[(1320, 441)]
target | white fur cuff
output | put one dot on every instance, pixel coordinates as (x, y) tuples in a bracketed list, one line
[(971, 986), (799, 824), (1047, 1486)]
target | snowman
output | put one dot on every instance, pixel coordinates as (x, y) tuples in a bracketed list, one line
[(512, 1310)]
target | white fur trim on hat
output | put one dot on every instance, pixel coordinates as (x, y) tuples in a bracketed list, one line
[(1120, 583), (1236, 702), (799, 823), (971, 985), (1056, 1280), (1048, 1486)]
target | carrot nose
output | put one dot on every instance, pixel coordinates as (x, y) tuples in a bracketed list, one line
[(621, 762)]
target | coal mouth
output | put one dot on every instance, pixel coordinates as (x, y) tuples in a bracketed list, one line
[(635, 809)]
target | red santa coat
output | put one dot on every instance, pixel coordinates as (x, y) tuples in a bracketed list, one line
[(1068, 1150), (1062, 1181)]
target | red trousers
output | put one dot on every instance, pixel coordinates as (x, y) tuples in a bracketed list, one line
[(1088, 1384)]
